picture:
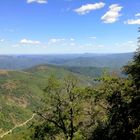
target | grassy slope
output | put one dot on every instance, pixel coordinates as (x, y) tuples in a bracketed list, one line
[(21, 91)]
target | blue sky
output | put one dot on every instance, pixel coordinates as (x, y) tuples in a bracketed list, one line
[(68, 26)]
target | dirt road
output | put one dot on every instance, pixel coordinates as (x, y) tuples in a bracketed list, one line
[(20, 125)]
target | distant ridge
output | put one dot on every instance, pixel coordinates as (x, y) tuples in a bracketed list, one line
[(16, 62)]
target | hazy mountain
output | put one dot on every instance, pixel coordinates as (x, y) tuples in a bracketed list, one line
[(82, 60)]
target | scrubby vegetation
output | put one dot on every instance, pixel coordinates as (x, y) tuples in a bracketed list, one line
[(70, 106)]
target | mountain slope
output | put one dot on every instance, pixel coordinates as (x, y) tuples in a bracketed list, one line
[(92, 60), (108, 60), (21, 92)]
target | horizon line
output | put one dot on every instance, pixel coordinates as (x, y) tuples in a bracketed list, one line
[(68, 53)]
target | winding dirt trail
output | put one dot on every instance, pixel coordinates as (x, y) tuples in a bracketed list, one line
[(20, 125)]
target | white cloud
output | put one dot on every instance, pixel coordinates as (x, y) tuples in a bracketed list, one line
[(72, 39), (113, 14), (2, 40), (125, 44), (93, 37), (137, 15), (132, 21), (85, 9), (29, 42), (56, 40), (72, 44), (130, 46), (37, 1)]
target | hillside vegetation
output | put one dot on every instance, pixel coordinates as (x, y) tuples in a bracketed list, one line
[(115, 61), (21, 92), (70, 103)]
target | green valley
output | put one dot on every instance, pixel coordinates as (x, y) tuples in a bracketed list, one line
[(21, 92)]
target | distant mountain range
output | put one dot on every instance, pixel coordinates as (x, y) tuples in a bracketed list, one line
[(114, 61)]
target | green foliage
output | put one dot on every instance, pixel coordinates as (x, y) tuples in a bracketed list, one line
[(68, 108), (123, 101), (118, 125), (44, 128), (87, 71), (21, 91)]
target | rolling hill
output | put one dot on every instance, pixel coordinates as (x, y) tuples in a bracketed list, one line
[(21, 92), (23, 78), (82, 60)]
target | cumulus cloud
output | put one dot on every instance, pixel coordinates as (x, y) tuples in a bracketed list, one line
[(72, 44), (113, 14), (85, 9), (2, 40), (137, 15), (56, 40), (72, 39), (37, 1), (129, 45), (93, 37), (132, 21), (29, 42)]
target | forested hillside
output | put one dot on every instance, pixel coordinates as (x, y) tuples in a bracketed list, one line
[(115, 61), (68, 105), (21, 92)]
